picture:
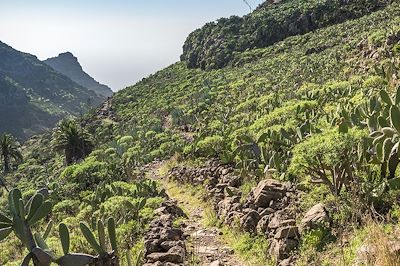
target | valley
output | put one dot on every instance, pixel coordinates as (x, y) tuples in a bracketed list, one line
[(274, 141)]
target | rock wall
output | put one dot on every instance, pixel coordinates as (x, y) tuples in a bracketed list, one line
[(270, 209), (165, 244)]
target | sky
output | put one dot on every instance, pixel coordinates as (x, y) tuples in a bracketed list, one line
[(118, 42)]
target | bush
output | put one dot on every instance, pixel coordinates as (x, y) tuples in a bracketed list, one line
[(86, 174), (210, 146), (329, 158)]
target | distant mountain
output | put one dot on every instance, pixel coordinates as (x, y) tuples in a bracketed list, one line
[(33, 96), (68, 65)]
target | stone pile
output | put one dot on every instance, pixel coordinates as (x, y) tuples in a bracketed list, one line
[(270, 209), (164, 244)]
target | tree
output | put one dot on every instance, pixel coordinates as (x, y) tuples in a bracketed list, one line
[(73, 140), (9, 150)]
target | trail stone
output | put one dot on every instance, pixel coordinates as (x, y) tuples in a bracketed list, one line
[(317, 216), (165, 257), (216, 263), (167, 245), (287, 232), (281, 248), (249, 222), (170, 234)]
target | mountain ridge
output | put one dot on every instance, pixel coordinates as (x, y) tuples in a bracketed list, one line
[(67, 64), (33, 96)]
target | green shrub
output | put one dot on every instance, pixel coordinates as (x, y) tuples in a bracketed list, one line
[(329, 158), (86, 174), (210, 146)]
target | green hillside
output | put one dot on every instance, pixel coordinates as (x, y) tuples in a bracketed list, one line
[(214, 45), (34, 96), (292, 143), (264, 88)]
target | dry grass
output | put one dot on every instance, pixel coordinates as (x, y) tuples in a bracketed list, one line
[(382, 246)]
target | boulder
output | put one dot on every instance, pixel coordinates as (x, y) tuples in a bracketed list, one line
[(281, 248), (266, 191), (167, 245), (269, 185), (277, 222), (262, 225), (249, 221), (152, 246), (287, 232), (266, 211), (317, 216), (165, 257)]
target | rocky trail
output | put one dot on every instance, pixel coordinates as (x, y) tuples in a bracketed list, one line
[(211, 194), (204, 244)]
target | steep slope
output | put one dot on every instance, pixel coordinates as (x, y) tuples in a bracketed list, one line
[(68, 65), (214, 45), (33, 96), (261, 88)]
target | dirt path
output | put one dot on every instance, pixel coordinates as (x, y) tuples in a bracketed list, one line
[(205, 244)]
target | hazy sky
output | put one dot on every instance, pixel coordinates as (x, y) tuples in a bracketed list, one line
[(118, 42)]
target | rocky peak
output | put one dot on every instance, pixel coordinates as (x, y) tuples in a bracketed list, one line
[(68, 56), (68, 65)]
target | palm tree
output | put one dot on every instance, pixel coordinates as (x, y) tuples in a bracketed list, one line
[(73, 140), (9, 150)]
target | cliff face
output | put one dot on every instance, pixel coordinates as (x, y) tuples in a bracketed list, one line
[(33, 96), (68, 65)]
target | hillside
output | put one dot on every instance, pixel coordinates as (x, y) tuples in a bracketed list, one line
[(68, 65), (34, 96), (286, 153), (214, 45)]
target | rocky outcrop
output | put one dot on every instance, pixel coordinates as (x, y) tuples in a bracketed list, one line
[(164, 244)]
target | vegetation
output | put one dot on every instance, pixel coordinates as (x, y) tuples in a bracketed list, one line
[(72, 140), (320, 109), (214, 45), (33, 96), (9, 151)]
